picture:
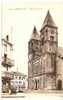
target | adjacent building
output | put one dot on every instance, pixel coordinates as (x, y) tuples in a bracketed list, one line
[(6, 79), (7, 62), (43, 69), (10, 79)]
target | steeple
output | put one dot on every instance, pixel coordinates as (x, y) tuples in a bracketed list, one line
[(35, 34), (49, 21), (34, 30)]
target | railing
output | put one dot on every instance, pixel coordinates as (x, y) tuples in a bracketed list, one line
[(7, 75)]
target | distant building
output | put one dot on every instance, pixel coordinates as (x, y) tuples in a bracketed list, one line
[(18, 81), (44, 60)]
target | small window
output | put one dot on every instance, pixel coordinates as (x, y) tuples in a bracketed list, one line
[(38, 81), (42, 41), (51, 38), (20, 82), (19, 77), (46, 30), (7, 37), (16, 77), (30, 44), (5, 57), (52, 32), (36, 48), (36, 42)]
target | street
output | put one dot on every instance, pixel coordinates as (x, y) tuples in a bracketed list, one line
[(37, 96)]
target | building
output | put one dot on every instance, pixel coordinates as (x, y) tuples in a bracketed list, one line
[(42, 57), (7, 48), (18, 81), (7, 63), (6, 79), (59, 79)]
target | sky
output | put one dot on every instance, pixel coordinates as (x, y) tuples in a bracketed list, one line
[(19, 19)]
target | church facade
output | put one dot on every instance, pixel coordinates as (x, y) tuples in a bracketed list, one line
[(42, 56)]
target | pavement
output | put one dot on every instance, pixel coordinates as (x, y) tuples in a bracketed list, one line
[(17, 95), (43, 91), (34, 94)]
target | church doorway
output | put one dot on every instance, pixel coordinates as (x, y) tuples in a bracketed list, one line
[(36, 84), (59, 86)]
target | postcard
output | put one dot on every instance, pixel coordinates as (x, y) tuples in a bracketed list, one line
[(31, 49)]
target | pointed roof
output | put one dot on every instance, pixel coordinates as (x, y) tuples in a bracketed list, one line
[(34, 30), (49, 20), (35, 34)]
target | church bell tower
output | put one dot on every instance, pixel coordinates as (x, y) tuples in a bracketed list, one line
[(49, 44), (33, 58)]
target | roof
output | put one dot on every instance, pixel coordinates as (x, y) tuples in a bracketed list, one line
[(49, 20), (35, 34)]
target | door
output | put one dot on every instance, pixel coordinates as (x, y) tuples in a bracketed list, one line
[(36, 85), (59, 86)]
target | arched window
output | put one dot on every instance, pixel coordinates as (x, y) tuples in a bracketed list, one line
[(42, 42)]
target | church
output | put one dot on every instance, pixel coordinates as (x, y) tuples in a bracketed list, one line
[(44, 58)]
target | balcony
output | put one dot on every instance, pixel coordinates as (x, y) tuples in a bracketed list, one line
[(7, 62), (6, 75)]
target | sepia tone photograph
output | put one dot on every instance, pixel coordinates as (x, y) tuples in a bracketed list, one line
[(31, 50)]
